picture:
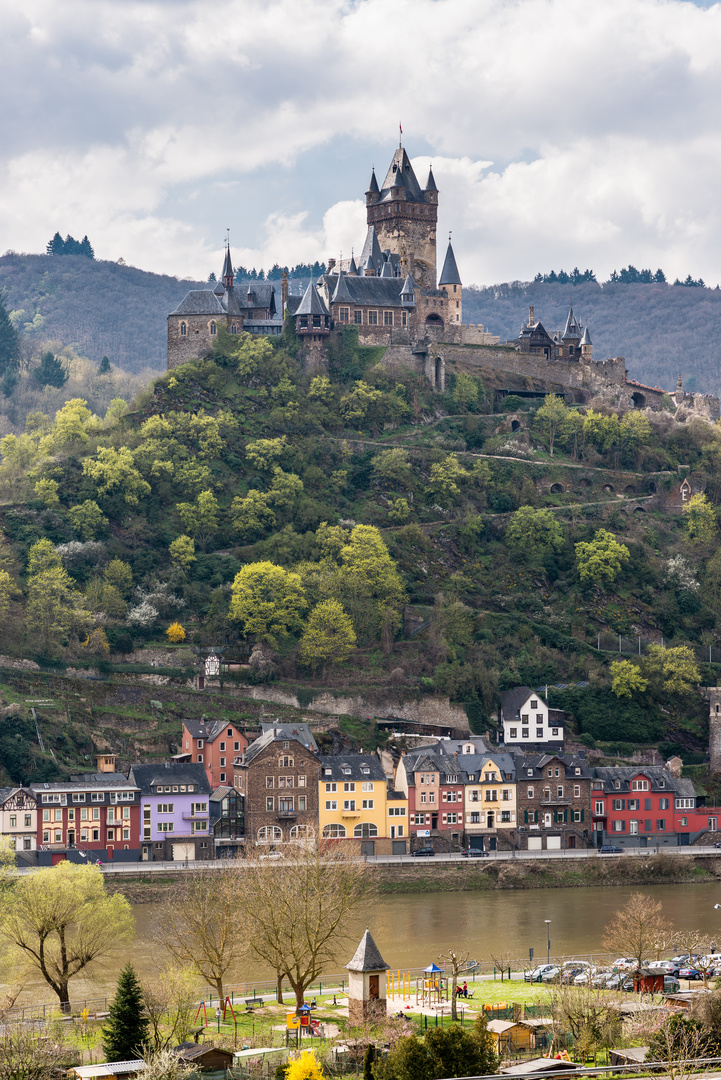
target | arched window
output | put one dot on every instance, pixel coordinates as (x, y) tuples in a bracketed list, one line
[(183, 329), (213, 329), (234, 329), (302, 832), (269, 833), (365, 829), (333, 832)]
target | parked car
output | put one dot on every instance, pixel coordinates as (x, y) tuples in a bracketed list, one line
[(551, 974), (474, 853), (627, 984), (609, 849), (601, 977), (625, 963), (568, 974), (666, 966), (585, 977), (423, 851), (272, 855), (680, 959), (536, 973), (613, 982), (670, 984), (690, 973)]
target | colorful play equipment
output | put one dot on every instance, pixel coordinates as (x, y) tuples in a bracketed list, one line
[(430, 988), (399, 985)]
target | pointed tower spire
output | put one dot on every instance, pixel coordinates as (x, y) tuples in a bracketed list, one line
[(449, 273), (430, 182), (227, 268)]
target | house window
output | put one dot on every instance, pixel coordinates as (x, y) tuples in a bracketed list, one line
[(285, 781), (333, 832), (506, 795), (475, 817), (270, 782), (513, 733), (162, 826), (559, 791), (344, 314), (539, 733), (285, 804), (222, 762), (368, 785), (221, 778), (633, 828), (183, 329), (213, 329), (599, 809), (619, 826), (524, 733), (349, 804), (661, 825), (639, 785), (28, 821), (349, 786), (368, 804), (663, 804), (431, 796), (269, 803), (14, 820), (331, 804), (530, 793), (270, 832), (505, 815), (388, 318), (302, 804), (200, 759), (554, 732), (163, 808), (423, 796), (577, 791), (78, 798), (358, 320), (331, 787), (618, 804), (684, 821), (372, 318), (576, 815), (404, 318), (285, 763), (534, 704)]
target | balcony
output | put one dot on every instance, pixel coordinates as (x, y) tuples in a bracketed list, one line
[(191, 816), (557, 802), (350, 813), (286, 815)]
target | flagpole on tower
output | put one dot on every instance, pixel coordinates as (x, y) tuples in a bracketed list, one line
[(400, 136)]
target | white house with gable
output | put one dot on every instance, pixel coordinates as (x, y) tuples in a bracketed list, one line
[(527, 719)]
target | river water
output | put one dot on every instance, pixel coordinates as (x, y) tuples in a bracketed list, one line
[(412, 930)]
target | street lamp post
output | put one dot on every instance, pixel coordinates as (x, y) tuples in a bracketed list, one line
[(548, 940)]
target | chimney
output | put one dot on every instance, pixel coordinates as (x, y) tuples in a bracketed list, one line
[(531, 319), (284, 294)]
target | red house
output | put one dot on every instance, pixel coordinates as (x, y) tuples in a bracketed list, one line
[(215, 745), (95, 817), (640, 806), (435, 799)]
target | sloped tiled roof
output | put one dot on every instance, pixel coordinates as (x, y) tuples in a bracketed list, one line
[(312, 302), (367, 956), (449, 273), (371, 291), (335, 767), (400, 174), (199, 302), (512, 700), (166, 772)]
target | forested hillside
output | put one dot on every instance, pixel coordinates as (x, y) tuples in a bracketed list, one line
[(663, 331), (360, 532), (106, 309)]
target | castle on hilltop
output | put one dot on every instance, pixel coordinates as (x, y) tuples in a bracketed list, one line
[(393, 296)]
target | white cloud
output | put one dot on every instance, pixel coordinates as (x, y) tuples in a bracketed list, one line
[(564, 131)]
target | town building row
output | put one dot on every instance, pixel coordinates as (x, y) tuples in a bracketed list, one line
[(223, 794)]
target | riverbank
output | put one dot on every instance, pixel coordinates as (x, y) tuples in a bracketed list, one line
[(476, 876)]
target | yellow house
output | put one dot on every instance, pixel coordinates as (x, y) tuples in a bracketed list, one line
[(490, 798), (352, 802)]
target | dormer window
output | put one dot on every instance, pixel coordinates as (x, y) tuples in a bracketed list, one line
[(346, 771), (366, 771), (618, 785)]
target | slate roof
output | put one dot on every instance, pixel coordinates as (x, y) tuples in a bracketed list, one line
[(341, 294), (626, 773), (430, 182), (372, 249), (512, 700), (400, 174), (352, 269), (367, 956), (586, 339), (5, 794), (573, 326), (373, 186), (538, 762), (339, 764), (170, 772), (96, 781), (409, 287), (312, 302), (203, 729), (220, 793), (449, 273), (278, 732), (199, 302), (227, 266), (371, 291), (292, 304)]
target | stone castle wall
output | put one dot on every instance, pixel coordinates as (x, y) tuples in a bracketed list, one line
[(196, 341)]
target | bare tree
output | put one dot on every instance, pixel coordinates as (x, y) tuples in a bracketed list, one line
[(502, 960), (170, 999), (32, 1054), (591, 1016), (166, 1065), (637, 929), (204, 925), (698, 947), (678, 1045), (298, 909), (458, 962)]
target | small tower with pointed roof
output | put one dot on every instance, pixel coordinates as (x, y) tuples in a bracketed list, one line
[(312, 318), (405, 217), (586, 346), (450, 280), (366, 982)]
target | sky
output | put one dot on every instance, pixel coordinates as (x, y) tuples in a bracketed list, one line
[(561, 132)]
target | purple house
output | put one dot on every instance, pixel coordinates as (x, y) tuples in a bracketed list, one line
[(174, 811)]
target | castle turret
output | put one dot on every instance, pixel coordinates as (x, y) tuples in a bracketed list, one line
[(405, 217), (571, 337), (312, 318), (586, 346), (450, 280), (227, 274)]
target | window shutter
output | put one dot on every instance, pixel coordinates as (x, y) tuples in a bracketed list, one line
[(623, 804), (582, 814), (565, 816), (525, 816)]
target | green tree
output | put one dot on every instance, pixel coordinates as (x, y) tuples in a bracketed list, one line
[(47, 491), (329, 637), (265, 453), (182, 551), (267, 601), (635, 430), (627, 679), (54, 607), (252, 517), (200, 518), (120, 575), (445, 477), (370, 583), (284, 489), (9, 340), (62, 921), (71, 423), (8, 590), (391, 468), (399, 511), (51, 371), (356, 405), (87, 519), (467, 391), (699, 520), (105, 367), (125, 1035), (674, 670), (444, 1052), (550, 417), (42, 556), (115, 471), (532, 535), (599, 561)]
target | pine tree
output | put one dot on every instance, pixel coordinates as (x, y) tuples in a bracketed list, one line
[(105, 367), (55, 246), (9, 340), (50, 371), (125, 1037), (86, 248)]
